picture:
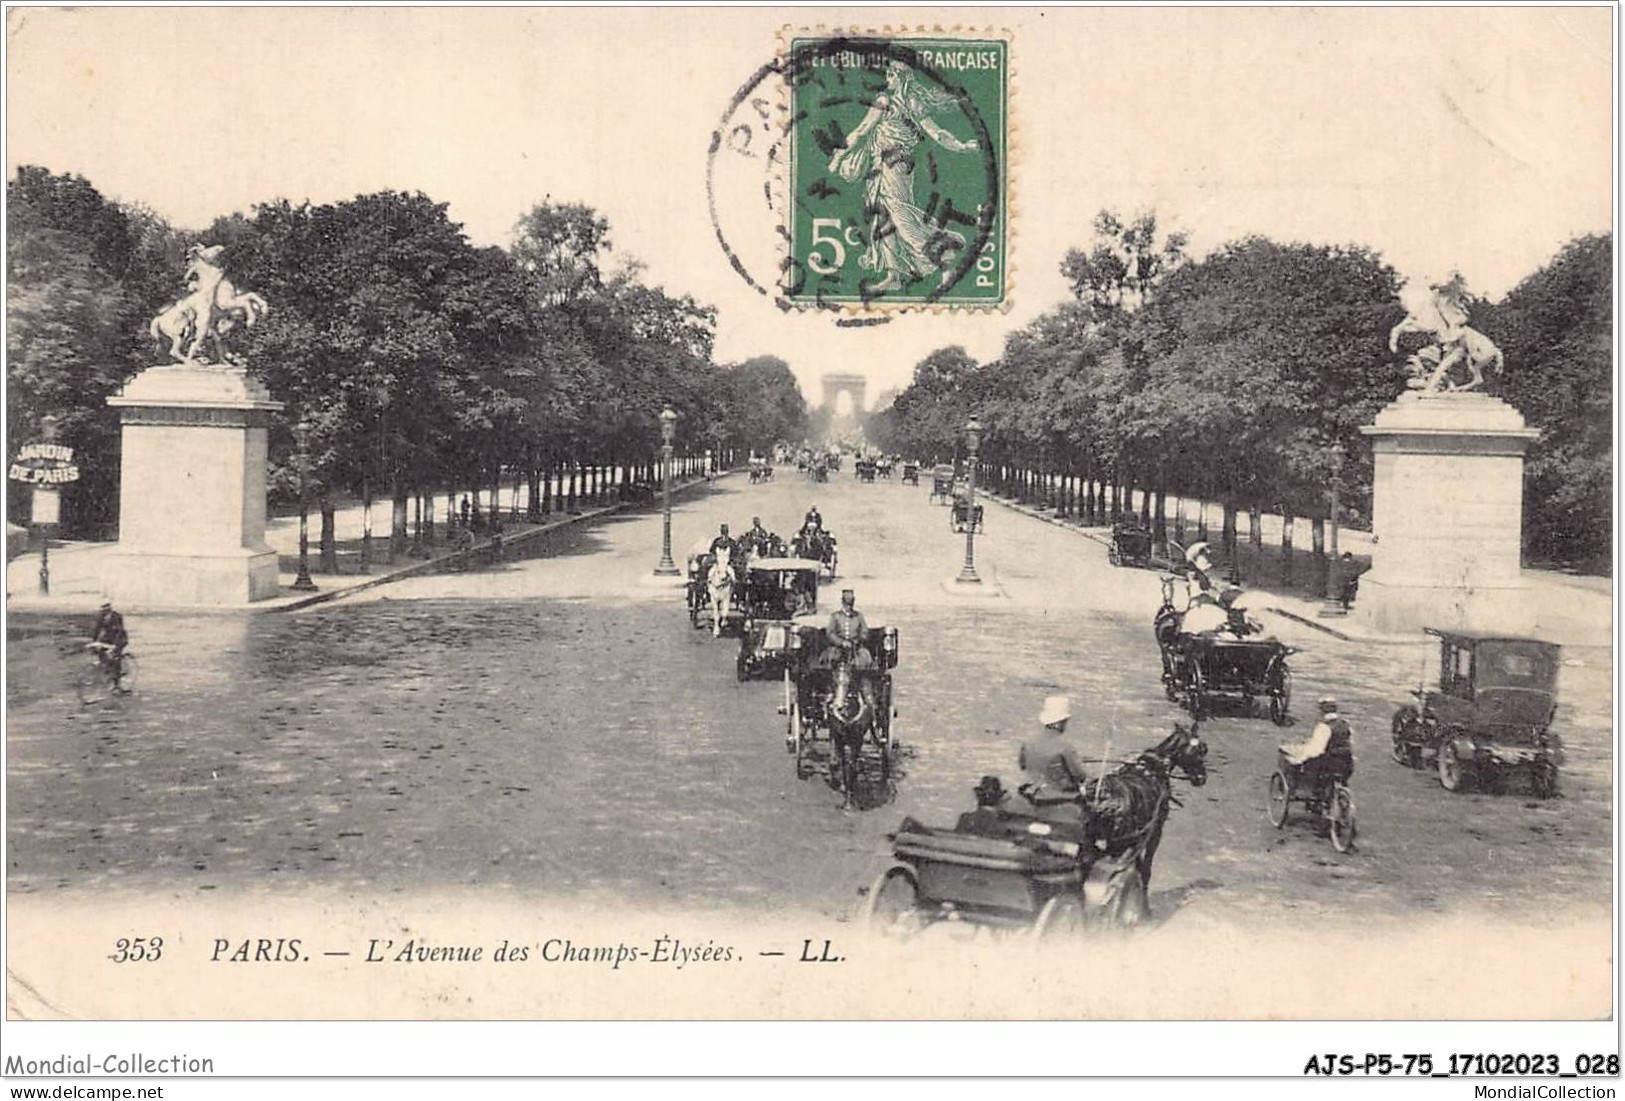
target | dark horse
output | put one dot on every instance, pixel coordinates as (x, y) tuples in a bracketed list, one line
[(851, 711), (1128, 807)]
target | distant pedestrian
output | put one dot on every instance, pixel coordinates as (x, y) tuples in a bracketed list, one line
[(496, 539), (465, 510)]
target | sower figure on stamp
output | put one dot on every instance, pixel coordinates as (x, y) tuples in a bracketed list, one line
[(903, 245)]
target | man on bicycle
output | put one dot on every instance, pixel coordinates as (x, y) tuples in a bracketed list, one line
[(1328, 753), (109, 639)]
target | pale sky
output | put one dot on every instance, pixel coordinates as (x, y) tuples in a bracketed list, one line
[(1444, 138)]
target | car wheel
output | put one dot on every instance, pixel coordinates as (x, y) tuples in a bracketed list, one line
[(1544, 779), (1061, 918), (1452, 772)]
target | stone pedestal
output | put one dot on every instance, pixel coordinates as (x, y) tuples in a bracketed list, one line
[(1447, 512), (192, 489)]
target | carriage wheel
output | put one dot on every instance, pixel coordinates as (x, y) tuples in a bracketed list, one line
[(1452, 773), (1543, 779), (1280, 797), (693, 612), (892, 899), (1404, 751), (1061, 917), (792, 727), (1195, 690), (742, 665), (1281, 697), (1341, 819)]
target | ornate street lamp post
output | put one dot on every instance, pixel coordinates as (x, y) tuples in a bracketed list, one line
[(668, 430), (973, 439), (301, 434)]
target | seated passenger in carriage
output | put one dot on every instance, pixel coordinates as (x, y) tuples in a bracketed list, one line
[(1052, 767), (988, 817), (1328, 753), (1239, 618), (813, 521), (1204, 616)]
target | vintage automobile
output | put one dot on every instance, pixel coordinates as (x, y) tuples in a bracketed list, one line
[(777, 594), (911, 474), (1325, 796), (1131, 543), (1491, 713), (830, 699), (1198, 667), (942, 483)]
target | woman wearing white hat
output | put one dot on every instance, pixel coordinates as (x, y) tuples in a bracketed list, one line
[(1052, 766)]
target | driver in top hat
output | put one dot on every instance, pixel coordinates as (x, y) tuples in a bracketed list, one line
[(757, 536), (813, 521)]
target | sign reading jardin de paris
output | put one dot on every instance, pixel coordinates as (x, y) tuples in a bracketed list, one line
[(898, 172), (44, 464)]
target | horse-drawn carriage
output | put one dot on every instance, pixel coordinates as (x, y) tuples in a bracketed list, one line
[(1013, 866), (964, 516), (911, 474), (1227, 662), (1490, 714), (818, 545), (942, 484), (864, 470), (1131, 543), (761, 470), (711, 587), (838, 707), (884, 466), (776, 594)]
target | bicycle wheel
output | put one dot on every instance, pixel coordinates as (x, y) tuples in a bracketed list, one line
[(1342, 819), (92, 685), (126, 674)]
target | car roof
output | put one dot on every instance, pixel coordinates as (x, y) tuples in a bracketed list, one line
[(1464, 635), (775, 564)]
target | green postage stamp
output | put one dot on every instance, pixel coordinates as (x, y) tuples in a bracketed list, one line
[(898, 171)]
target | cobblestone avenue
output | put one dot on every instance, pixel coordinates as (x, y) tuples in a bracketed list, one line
[(554, 728)]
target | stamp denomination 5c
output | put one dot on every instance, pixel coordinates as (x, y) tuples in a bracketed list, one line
[(898, 173)]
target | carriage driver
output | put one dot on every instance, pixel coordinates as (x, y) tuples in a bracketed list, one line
[(849, 633), (757, 535), (1051, 766), (722, 540), (1327, 752), (813, 521)]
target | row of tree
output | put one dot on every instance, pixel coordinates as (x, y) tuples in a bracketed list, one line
[(410, 359), (1244, 377)]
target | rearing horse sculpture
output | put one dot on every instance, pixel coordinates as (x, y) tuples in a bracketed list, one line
[(1443, 313), (212, 308)]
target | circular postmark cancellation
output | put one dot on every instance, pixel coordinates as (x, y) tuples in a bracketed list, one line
[(869, 173)]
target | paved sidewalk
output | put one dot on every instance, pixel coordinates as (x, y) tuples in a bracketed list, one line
[(77, 568), (1573, 610)]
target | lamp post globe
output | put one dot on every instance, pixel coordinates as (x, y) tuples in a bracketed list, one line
[(973, 440), (668, 432), (301, 434)]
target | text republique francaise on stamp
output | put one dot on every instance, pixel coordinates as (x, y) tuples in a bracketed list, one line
[(898, 189)]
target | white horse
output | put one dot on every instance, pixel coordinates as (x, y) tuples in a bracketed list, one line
[(720, 583), (213, 308)]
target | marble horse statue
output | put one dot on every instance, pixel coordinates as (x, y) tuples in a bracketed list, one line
[(1441, 311), (211, 308)]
